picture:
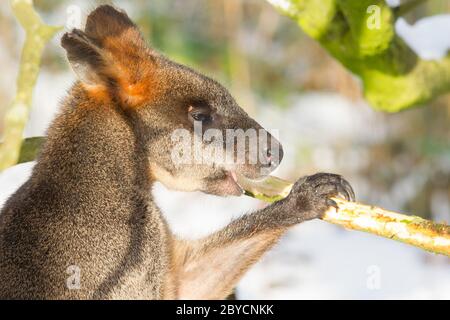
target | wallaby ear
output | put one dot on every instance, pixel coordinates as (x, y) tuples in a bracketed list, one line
[(107, 23), (85, 56), (111, 54)]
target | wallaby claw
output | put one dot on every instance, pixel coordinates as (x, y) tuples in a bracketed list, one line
[(332, 203)]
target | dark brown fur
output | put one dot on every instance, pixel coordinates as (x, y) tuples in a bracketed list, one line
[(88, 202)]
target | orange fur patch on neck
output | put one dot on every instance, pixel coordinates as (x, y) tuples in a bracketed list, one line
[(97, 92)]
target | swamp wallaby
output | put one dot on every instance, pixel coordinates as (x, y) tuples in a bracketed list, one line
[(87, 207)]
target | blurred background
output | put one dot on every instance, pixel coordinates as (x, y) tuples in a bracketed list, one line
[(287, 82)]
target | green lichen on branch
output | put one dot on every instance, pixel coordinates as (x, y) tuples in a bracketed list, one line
[(412, 230), (16, 116), (360, 34)]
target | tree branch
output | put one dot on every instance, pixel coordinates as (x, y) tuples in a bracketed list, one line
[(415, 231), (16, 116), (360, 34)]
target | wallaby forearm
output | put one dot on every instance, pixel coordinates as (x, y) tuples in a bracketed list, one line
[(211, 267)]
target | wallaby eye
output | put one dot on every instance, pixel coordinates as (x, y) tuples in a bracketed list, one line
[(200, 112), (201, 117)]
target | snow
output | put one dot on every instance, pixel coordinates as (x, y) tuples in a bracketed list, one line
[(12, 178), (316, 260), (393, 3), (49, 91), (428, 37)]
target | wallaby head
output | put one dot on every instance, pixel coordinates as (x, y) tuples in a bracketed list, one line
[(115, 66)]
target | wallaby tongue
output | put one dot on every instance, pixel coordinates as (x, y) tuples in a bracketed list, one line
[(269, 187), (234, 176)]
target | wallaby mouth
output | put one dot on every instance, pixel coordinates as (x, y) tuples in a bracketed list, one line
[(237, 181), (231, 185)]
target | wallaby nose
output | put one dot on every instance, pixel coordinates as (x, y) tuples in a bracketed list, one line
[(274, 154)]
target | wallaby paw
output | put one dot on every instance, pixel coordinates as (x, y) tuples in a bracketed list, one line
[(310, 196)]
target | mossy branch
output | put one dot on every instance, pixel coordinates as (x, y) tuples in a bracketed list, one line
[(360, 34), (428, 235), (16, 116)]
